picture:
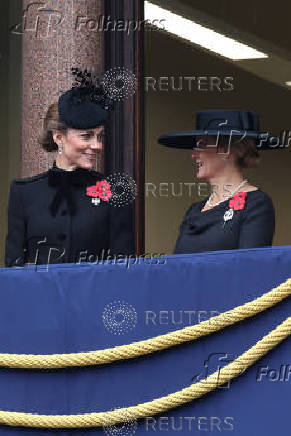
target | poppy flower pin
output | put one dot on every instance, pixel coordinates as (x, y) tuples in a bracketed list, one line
[(99, 191), (237, 202)]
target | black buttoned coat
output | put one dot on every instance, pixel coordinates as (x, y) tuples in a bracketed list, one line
[(92, 233)]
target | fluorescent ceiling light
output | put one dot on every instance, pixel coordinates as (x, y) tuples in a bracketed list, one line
[(197, 34)]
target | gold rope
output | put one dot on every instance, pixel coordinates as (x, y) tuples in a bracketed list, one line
[(161, 342), (158, 405)]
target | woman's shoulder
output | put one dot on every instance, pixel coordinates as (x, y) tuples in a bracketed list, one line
[(194, 207), (258, 196), (29, 181), (34, 178), (259, 200)]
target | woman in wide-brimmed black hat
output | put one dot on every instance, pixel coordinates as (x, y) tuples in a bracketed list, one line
[(66, 214), (236, 214)]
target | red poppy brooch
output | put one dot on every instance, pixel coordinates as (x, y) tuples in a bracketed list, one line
[(237, 202), (99, 191)]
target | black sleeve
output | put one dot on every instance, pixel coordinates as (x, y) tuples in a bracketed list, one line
[(186, 216), (183, 225), (122, 230), (15, 238), (258, 224)]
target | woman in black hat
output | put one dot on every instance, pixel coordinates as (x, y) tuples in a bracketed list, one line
[(66, 214), (236, 214)]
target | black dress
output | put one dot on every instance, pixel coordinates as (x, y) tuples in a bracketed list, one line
[(251, 227), (50, 221)]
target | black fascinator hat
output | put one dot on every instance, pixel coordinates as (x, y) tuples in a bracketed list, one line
[(85, 105)]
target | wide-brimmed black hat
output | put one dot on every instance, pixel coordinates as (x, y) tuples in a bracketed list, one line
[(235, 123), (85, 105)]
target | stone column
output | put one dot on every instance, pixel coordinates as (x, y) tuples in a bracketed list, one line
[(57, 35)]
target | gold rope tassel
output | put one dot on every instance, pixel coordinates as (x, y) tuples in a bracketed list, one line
[(158, 405), (162, 342)]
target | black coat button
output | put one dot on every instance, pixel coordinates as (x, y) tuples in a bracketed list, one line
[(62, 236)]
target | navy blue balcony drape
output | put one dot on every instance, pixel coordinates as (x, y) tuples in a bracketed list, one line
[(70, 308)]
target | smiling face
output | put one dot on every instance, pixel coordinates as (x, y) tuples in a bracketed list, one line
[(80, 147), (210, 164)]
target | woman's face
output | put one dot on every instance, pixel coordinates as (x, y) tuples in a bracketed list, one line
[(80, 147), (209, 163)]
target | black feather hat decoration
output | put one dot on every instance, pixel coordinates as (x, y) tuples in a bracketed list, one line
[(85, 105)]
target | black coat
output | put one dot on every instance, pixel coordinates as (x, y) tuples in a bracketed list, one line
[(251, 227), (91, 233)]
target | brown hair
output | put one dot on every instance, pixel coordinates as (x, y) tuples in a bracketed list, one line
[(245, 151), (51, 122)]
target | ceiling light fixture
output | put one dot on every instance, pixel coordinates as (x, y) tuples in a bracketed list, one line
[(200, 35)]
